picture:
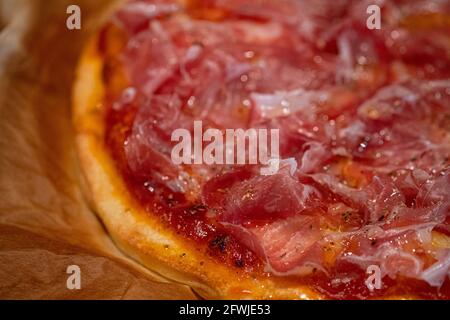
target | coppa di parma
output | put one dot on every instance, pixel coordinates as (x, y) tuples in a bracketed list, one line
[(190, 150)]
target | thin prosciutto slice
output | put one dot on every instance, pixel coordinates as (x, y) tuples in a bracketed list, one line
[(267, 198), (283, 244)]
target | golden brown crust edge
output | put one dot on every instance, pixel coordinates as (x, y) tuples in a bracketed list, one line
[(136, 233)]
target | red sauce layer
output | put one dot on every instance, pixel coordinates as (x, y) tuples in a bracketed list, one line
[(364, 115)]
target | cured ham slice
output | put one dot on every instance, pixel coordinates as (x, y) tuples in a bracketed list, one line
[(266, 198), (135, 16), (284, 244)]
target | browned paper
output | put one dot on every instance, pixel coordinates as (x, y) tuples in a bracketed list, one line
[(45, 223)]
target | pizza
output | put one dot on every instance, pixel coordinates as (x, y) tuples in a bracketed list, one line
[(362, 115)]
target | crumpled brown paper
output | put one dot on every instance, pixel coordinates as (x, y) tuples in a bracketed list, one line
[(45, 223)]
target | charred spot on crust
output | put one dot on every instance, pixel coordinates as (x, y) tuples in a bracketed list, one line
[(219, 242)]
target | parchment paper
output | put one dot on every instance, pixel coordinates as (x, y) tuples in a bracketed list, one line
[(45, 223)]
